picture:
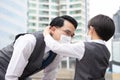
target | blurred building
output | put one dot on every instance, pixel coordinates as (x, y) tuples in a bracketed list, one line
[(13, 19), (41, 12), (116, 44)]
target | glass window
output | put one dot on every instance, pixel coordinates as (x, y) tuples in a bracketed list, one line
[(116, 51), (31, 30), (62, 1), (54, 7), (43, 12), (78, 18), (55, 1), (43, 19), (44, 6), (32, 17), (31, 24), (32, 5), (64, 64), (78, 30), (72, 63), (63, 12), (44, 0), (42, 25), (63, 7), (54, 13), (74, 0), (77, 37), (80, 24), (75, 6), (75, 12), (32, 11)]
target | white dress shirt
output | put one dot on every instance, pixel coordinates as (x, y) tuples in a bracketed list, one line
[(23, 48), (75, 50)]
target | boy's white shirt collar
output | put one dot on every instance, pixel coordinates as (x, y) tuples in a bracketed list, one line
[(97, 41)]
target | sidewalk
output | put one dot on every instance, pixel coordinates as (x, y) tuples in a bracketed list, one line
[(64, 74)]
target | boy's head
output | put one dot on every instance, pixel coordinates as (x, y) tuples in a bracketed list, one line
[(103, 26), (62, 25)]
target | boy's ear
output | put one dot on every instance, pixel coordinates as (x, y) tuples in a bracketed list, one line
[(92, 29)]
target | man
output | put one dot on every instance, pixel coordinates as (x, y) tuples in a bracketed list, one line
[(92, 56), (28, 54)]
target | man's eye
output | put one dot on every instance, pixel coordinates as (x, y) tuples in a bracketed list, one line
[(67, 32)]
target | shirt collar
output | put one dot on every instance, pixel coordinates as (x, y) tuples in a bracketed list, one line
[(98, 41), (47, 49)]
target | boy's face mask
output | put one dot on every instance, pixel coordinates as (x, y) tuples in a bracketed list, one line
[(65, 39)]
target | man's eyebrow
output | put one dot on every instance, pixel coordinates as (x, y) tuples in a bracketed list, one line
[(68, 31)]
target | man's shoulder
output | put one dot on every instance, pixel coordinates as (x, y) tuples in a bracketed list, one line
[(38, 33)]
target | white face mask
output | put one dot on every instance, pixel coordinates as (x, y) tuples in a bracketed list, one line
[(65, 39)]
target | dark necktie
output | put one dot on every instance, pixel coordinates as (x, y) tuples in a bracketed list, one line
[(48, 60)]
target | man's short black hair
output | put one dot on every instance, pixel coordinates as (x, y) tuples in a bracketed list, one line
[(103, 25), (59, 21)]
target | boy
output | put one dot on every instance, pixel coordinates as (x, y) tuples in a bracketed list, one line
[(92, 56)]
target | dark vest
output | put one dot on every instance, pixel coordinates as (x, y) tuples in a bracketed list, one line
[(35, 60), (94, 63)]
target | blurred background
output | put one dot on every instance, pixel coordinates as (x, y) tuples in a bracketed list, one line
[(21, 16)]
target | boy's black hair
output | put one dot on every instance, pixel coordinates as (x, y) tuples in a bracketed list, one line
[(103, 25), (59, 21)]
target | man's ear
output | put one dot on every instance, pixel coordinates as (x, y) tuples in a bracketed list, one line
[(52, 30)]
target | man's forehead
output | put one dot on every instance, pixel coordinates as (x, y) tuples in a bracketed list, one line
[(68, 27)]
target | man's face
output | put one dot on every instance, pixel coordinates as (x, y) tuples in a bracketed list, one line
[(67, 29)]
